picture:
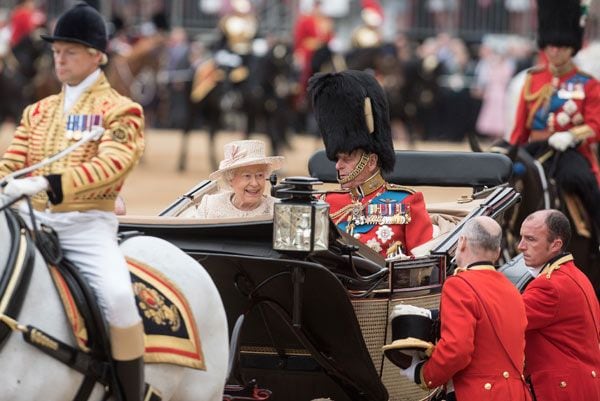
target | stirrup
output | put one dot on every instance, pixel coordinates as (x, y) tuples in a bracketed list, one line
[(151, 394)]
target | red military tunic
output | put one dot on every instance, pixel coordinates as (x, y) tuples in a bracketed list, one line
[(549, 104), (482, 340), (562, 355), (383, 216), (311, 32)]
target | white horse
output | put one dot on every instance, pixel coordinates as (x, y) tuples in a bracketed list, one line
[(28, 374)]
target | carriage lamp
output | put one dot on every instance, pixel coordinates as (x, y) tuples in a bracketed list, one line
[(300, 221)]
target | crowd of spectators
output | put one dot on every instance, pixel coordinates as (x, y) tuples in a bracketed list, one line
[(440, 87)]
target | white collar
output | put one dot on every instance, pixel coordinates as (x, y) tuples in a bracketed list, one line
[(72, 93), (535, 271)]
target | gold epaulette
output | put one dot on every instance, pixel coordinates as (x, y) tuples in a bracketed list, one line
[(396, 187), (551, 267)]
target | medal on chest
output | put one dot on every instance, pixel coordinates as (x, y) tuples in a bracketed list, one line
[(571, 90), (77, 124)]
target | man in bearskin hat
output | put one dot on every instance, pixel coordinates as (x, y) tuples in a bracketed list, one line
[(76, 194), (559, 107), (562, 353), (482, 339), (352, 114)]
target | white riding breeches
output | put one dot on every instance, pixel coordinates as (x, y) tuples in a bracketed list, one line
[(89, 240)]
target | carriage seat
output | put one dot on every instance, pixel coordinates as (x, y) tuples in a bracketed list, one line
[(443, 169)]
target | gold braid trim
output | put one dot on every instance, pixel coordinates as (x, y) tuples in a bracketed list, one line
[(394, 248), (540, 98), (582, 132), (338, 216), (478, 267), (550, 268), (372, 184)]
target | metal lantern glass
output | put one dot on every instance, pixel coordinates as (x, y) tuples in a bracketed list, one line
[(300, 222)]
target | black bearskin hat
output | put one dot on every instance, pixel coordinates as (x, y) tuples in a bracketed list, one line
[(81, 24), (560, 23), (343, 103)]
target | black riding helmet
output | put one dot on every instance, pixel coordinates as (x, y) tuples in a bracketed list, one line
[(81, 24)]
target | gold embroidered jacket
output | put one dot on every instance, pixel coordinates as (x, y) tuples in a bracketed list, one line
[(91, 176)]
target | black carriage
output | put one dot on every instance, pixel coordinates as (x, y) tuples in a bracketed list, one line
[(314, 326)]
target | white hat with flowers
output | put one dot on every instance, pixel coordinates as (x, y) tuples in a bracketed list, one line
[(245, 153)]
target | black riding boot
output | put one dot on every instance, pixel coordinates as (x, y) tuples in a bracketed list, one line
[(130, 376), (127, 346)]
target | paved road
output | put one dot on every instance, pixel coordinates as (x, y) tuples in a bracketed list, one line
[(155, 182)]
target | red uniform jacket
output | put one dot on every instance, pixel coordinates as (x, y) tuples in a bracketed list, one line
[(308, 28), (563, 338), (481, 348), (570, 102), (389, 200)]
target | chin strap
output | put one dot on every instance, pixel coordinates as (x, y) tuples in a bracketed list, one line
[(360, 166)]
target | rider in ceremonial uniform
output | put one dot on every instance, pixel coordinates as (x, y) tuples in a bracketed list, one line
[(239, 28), (368, 35), (76, 194), (353, 117), (562, 353), (481, 349), (232, 52), (560, 105)]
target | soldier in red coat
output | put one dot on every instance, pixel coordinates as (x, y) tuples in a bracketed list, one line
[(562, 354), (559, 105), (353, 117), (480, 353), (312, 31)]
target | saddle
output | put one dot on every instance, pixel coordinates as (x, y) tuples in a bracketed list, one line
[(171, 334), (15, 278)]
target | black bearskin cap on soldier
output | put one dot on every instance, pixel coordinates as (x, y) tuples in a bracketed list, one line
[(560, 23), (81, 24), (340, 107)]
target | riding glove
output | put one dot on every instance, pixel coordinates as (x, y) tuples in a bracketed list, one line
[(561, 141), (26, 186), (410, 371)]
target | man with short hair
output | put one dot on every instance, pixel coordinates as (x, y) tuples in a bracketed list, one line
[(76, 194), (352, 113), (480, 352), (562, 354)]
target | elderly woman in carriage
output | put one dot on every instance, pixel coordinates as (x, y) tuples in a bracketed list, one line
[(293, 314)]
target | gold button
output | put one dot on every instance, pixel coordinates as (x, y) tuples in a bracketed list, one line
[(429, 383), (563, 384), (487, 386), (506, 375), (594, 373)]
